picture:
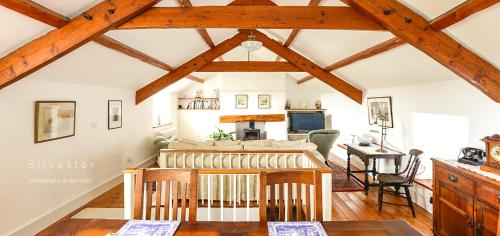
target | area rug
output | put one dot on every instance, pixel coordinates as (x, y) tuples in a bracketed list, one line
[(340, 183)]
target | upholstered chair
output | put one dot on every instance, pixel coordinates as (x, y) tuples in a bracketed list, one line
[(324, 139)]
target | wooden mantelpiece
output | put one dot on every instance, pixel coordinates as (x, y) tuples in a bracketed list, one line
[(242, 118)]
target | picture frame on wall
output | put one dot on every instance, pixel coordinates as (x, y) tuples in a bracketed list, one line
[(380, 111), (54, 120), (241, 101), (264, 101), (114, 114)]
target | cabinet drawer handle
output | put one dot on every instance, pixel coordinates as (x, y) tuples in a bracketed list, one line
[(498, 199), (452, 178)]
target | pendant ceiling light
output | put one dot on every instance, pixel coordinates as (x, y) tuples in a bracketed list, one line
[(251, 44)]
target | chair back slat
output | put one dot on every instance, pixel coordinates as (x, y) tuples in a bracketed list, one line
[(290, 201), (308, 202), (149, 200), (175, 199), (162, 182), (158, 199), (298, 202), (302, 207)]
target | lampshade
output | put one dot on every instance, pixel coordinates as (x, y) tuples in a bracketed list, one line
[(251, 44)]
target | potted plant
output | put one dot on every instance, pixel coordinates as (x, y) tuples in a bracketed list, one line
[(221, 135)]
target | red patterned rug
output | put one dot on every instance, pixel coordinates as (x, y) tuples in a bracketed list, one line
[(340, 183)]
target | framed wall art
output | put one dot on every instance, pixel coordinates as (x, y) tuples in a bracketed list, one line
[(380, 111), (114, 114), (241, 101), (54, 120), (264, 101)]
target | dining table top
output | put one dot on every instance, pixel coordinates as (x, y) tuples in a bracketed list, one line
[(96, 227)]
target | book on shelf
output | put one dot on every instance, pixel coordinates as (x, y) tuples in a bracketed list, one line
[(148, 227), (203, 104)]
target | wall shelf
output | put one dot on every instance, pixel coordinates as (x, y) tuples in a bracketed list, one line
[(198, 98), (198, 104), (198, 109), (304, 109)]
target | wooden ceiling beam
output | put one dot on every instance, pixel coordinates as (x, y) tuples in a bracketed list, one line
[(202, 32), (249, 66), (308, 66), (253, 17), (370, 52), (295, 32), (449, 18), (461, 12), (47, 16), (414, 29), (36, 11), (189, 67), (252, 3), (57, 43)]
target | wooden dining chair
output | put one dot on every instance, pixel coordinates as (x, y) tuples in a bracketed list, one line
[(298, 202), (173, 185), (404, 179)]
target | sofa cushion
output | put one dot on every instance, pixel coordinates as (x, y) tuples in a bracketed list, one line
[(263, 142), (227, 143), (229, 148), (258, 148), (181, 145), (288, 144)]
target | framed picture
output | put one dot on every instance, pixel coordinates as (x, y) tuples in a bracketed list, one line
[(114, 114), (380, 111), (264, 101), (241, 101), (54, 120)]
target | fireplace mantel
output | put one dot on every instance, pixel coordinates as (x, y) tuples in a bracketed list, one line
[(260, 118)]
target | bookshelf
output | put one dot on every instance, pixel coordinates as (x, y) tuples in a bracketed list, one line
[(198, 104)]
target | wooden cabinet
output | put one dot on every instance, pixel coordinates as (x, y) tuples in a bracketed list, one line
[(465, 203)]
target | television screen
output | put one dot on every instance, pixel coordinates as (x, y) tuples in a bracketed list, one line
[(307, 121)]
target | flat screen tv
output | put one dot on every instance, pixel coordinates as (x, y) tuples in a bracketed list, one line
[(305, 122)]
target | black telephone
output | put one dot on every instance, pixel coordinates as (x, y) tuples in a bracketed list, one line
[(471, 156)]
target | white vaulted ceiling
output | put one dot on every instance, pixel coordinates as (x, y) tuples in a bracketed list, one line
[(95, 64)]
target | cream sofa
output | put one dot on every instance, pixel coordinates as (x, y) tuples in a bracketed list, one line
[(189, 156)]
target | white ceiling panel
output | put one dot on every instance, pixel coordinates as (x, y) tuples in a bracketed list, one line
[(172, 46), (17, 30), (328, 46), (97, 65), (68, 8), (480, 33), (401, 66), (431, 9)]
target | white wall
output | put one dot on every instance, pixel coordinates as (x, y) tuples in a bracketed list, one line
[(438, 118), (199, 124), (104, 151)]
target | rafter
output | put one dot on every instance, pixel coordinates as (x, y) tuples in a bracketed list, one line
[(449, 18), (295, 32), (189, 67), (309, 67), (252, 3), (408, 25), (252, 17), (47, 16), (249, 66), (59, 42), (202, 32), (375, 50), (461, 12)]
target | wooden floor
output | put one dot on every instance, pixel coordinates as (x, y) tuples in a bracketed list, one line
[(346, 206)]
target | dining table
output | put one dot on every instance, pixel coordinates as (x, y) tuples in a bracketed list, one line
[(97, 227)]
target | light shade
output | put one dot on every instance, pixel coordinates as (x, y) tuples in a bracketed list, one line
[(251, 44)]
